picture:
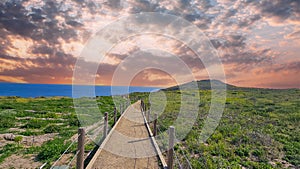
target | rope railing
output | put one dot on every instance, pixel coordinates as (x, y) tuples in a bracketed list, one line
[(187, 160), (177, 159), (74, 141), (163, 137), (93, 137), (97, 129), (77, 152)]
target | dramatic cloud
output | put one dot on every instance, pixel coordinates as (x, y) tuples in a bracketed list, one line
[(257, 40), (294, 35), (49, 22), (279, 11), (58, 68)]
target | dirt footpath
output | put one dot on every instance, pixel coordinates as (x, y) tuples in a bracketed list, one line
[(128, 145)]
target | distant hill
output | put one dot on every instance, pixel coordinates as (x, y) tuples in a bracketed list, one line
[(204, 85)]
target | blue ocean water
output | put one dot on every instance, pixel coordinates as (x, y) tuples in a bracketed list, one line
[(49, 90)]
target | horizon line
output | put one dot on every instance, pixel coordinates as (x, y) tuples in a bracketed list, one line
[(80, 84), (160, 87)]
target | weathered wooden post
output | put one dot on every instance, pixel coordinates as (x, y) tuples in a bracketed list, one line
[(148, 116), (80, 149), (115, 115), (123, 107), (105, 129), (155, 125), (142, 105), (171, 145), (120, 109)]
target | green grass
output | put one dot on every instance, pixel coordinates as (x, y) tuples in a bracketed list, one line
[(38, 116), (8, 150), (259, 129)]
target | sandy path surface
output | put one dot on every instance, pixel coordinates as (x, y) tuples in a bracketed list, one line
[(129, 145)]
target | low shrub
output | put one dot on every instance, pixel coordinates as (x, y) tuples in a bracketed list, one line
[(35, 124), (51, 150), (52, 129)]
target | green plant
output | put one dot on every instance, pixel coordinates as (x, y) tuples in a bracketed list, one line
[(7, 121), (52, 129), (51, 150), (35, 124), (18, 139), (8, 150), (51, 115), (73, 121)]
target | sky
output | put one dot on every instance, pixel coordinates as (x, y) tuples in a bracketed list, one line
[(256, 41)]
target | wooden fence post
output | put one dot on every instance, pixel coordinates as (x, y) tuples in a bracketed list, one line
[(171, 145), (155, 125), (80, 149), (115, 115), (105, 125), (148, 116), (142, 105)]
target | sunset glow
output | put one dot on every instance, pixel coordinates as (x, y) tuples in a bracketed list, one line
[(257, 41)]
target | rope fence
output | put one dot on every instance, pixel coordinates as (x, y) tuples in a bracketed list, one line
[(69, 164), (177, 160), (72, 143), (166, 137), (92, 132)]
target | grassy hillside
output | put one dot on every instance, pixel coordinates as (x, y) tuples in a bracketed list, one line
[(204, 85), (44, 128), (260, 128)]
